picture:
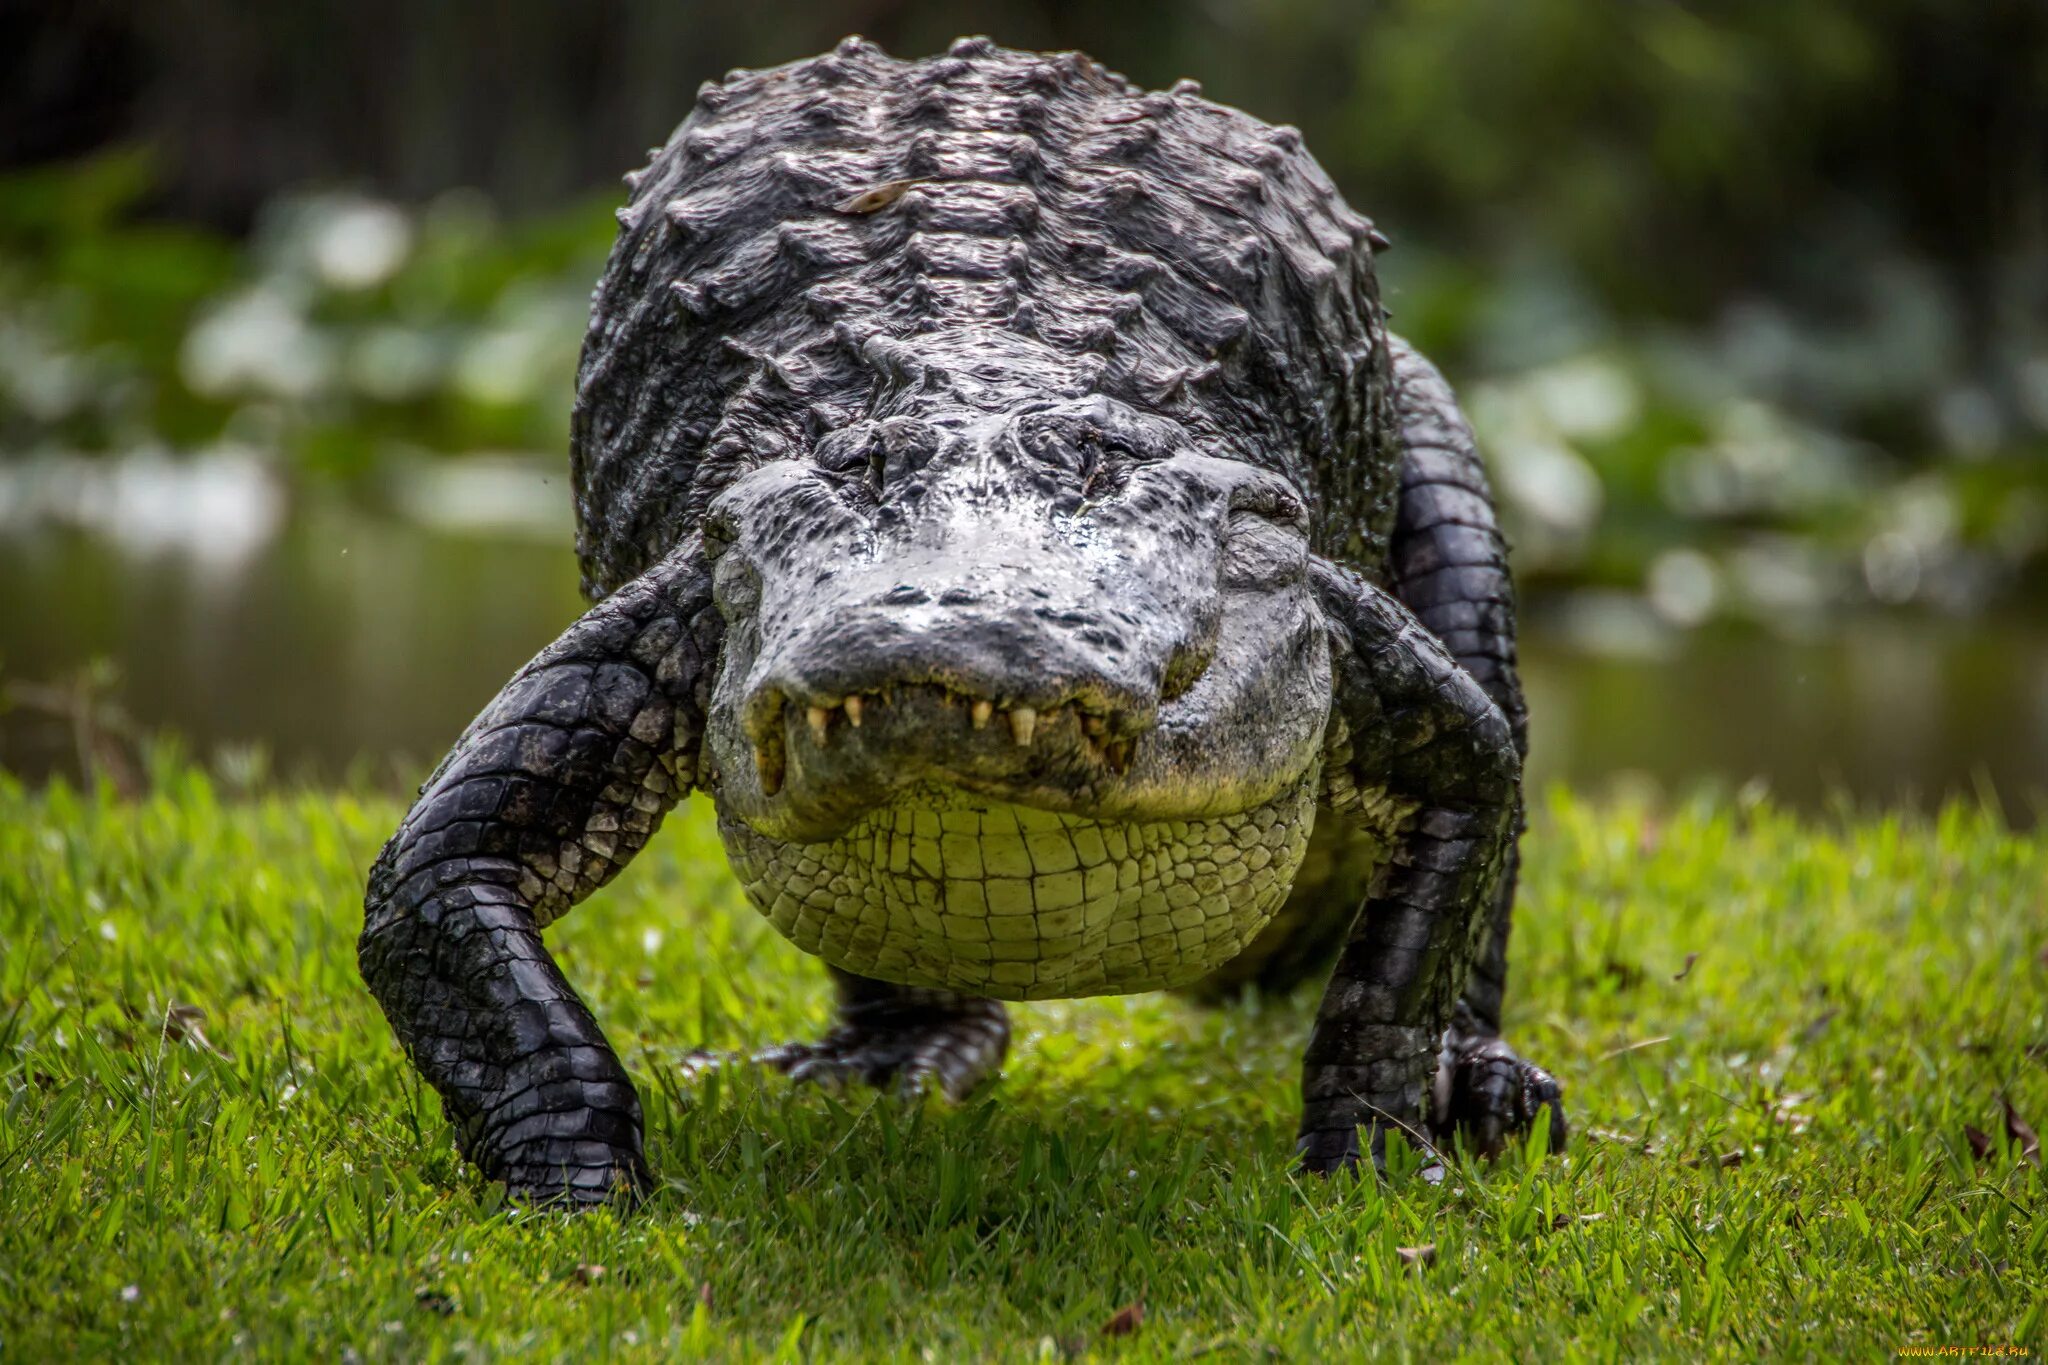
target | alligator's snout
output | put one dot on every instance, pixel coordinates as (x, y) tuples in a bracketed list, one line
[(1012, 684)]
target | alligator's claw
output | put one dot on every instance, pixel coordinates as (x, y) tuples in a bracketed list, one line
[(1488, 1095), (908, 1050)]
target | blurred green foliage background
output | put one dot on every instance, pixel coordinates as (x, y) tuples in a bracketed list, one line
[(1748, 299)]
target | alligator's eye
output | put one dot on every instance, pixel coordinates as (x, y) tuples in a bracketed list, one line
[(720, 529), (1270, 502), (1267, 543)]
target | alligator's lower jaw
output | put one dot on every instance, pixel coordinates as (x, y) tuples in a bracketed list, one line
[(946, 888)]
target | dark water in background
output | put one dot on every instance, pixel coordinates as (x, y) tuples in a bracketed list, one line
[(346, 636)]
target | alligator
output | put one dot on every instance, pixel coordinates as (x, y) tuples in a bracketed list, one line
[(999, 492)]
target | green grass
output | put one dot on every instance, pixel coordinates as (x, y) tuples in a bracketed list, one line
[(271, 1181)]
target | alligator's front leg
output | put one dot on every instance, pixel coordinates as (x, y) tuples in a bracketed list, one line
[(1410, 728), (561, 780), (1450, 567), (904, 1036)]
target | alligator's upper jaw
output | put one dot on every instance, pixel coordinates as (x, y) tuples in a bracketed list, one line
[(835, 718), (821, 761)]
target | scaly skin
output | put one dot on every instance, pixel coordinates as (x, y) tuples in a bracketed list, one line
[(1451, 567), (944, 890), (560, 781), (1002, 497)]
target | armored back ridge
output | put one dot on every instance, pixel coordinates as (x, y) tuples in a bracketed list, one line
[(826, 244), (1003, 500)]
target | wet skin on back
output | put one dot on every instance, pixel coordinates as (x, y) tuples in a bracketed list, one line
[(1000, 494)]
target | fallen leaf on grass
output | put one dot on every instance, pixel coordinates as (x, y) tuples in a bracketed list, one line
[(1417, 1256), (1647, 1146), (1725, 1160), (1124, 1321), (704, 1295), (434, 1301), (2022, 1135), (1686, 970), (182, 1023), (1565, 1220), (589, 1272), (1979, 1140), (1787, 1109)]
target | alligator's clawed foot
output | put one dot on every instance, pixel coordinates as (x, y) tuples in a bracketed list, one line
[(1488, 1095), (904, 1045), (568, 1175)]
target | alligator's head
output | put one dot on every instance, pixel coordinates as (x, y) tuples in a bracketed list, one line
[(1028, 703)]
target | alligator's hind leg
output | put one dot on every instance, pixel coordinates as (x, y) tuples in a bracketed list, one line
[(1411, 730), (905, 1036), (1450, 568), (560, 781)]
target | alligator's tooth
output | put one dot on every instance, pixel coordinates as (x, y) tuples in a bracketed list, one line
[(770, 771), (815, 717), (1023, 721), (982, 711), (853, 711)]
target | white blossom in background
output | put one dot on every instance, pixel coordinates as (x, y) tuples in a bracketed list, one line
[(358, 243), (1760, 460), (1553, 483), (501, 367), (1784, 583), (533, 344), (1588, 398), (256, 342), (1916, 542), (485, 491), (1553, 491), (1684, 587), (1891, 567), (218, 507)]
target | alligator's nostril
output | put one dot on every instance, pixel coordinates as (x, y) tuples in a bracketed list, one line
[(906, 595), (959, 597)]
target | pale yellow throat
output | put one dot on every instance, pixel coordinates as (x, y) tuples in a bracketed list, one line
[(944, 888)]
